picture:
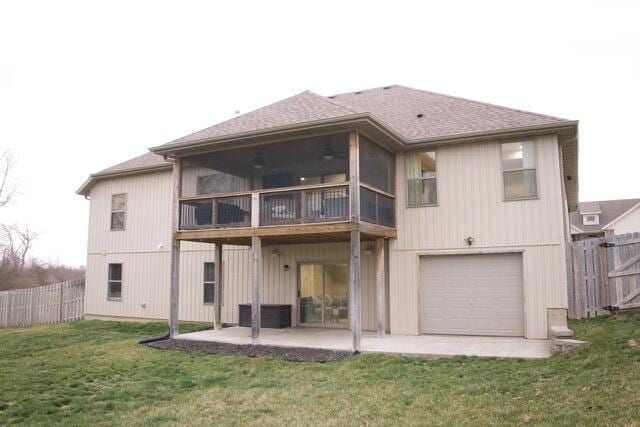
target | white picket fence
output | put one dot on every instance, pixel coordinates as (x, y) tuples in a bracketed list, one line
[(56, 303)]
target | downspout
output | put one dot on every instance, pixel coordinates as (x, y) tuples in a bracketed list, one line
[(154, 339)]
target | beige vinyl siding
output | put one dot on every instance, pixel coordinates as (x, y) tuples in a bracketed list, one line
[(143, 250), (629, 223), (471, 203)]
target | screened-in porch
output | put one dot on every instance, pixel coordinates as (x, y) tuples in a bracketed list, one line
[(286, 183)]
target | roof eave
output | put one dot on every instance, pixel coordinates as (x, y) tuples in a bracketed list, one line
[(504, 133), (85, 188), (169, 149)]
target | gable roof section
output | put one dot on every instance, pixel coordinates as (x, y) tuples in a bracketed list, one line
[(611, 210), (147, 162), (302, 108), (396, 106), (442, 115), (589, 208)]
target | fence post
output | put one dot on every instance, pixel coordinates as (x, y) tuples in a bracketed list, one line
[(604, 274), (61, 302)]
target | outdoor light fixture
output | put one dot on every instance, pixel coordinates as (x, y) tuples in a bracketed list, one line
[(285, 267), (258, 163)]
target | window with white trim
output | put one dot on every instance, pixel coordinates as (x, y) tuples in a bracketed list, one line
[(422, 182), (590, 219), (519, 170), (209, 282), (118, 209), (114, 282)]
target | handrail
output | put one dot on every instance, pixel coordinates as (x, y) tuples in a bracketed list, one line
[(377, 190), (265, 191)]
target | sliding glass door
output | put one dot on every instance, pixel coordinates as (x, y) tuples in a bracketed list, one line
[(323, 291)]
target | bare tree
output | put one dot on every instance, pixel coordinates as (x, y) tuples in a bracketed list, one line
[(7, 189), (17, 241)]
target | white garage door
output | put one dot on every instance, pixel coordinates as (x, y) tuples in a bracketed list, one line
[(472, 295)]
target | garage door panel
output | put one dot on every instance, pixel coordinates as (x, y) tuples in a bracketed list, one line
[(472, 294)]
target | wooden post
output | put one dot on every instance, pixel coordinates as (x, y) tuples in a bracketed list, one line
[(576, 283), (354, 291), (256, 279), (354, 212), (175, 250), (255, 210), (354, 176), (303, 207), (217, 293), (380, 290), (214, 213), (61, 317)]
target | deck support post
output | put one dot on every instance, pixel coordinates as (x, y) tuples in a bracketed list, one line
[(354, 292), (174, 298), (256, 279), (354, 268), (217, 290), (380, 288)]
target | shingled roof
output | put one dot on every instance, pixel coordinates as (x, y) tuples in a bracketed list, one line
[(610, 210), (413, 114)]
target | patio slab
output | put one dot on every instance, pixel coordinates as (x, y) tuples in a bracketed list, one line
[(420, 345)]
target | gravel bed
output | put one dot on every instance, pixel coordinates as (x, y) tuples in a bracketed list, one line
[(291, 354)]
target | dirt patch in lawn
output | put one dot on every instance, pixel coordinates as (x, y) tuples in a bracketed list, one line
[(292, 354)]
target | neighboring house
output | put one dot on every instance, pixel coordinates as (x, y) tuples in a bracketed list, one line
[(604, 218), (385, 209)]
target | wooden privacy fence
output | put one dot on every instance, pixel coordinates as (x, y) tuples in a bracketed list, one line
[(603, 275), (56, 303)]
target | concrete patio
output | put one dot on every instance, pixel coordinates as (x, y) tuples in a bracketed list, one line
[(421, 345)]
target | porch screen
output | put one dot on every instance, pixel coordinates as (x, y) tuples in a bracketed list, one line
[(377, 166)]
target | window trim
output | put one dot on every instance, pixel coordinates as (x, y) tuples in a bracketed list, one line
[(215, 284), (109, 281), (406, 181), (535, 168), (124, 212)]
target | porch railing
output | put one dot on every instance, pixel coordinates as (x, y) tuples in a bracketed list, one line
[(377, 207), (215, 212), (310, 204)]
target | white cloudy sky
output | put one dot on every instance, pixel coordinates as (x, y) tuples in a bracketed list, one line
[(86, 84)]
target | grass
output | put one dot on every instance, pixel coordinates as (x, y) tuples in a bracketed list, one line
[(92, 372)]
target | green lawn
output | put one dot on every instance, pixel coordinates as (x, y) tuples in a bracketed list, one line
[(93, 372)]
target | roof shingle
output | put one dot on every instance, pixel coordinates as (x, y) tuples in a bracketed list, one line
[(609, 211)]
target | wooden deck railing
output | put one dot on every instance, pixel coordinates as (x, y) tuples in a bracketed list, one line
[(377, 207), (293, 205)]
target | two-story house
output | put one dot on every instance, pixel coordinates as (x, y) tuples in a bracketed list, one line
[(391, 209)]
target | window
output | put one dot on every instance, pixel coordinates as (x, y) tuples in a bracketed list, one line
[(115, 282), (590, 219), (118, 208), (519, 170), (422, 183), (209, 282), (217, 183)]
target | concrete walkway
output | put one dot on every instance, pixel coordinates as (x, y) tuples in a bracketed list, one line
[(422, 345)]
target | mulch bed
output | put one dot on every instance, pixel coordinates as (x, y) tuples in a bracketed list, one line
[(291, 354)]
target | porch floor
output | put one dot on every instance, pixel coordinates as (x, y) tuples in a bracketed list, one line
[(420, 345)]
